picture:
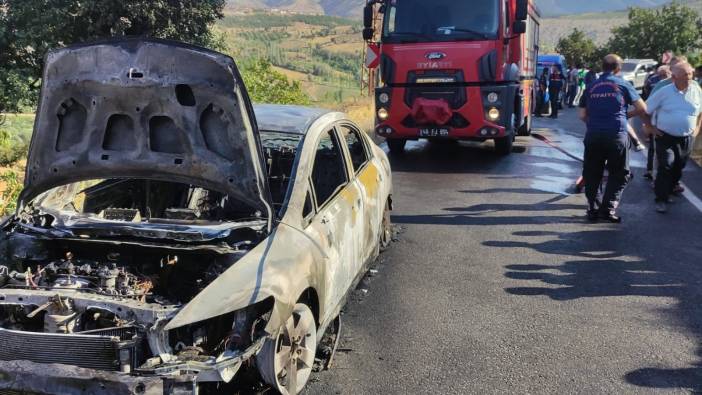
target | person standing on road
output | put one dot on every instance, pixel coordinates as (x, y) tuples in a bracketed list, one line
[(677, 109), (668, 81), (555, 87), (543, 86), (663, 73), (603, 108), (572, 85), (590, 76), (652, 143)]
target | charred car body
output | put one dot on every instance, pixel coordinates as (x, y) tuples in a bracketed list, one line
[(165, 238)]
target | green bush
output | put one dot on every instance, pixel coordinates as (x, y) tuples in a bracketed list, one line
[(266, 85)]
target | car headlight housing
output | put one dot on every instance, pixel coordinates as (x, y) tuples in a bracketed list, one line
[(493, 97), (383, 114), (383, 98), (234, 331)]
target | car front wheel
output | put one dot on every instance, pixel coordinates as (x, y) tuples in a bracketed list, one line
[(285, 362)]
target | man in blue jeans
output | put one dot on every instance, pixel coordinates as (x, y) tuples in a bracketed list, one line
[(603, 107), (677, 108)]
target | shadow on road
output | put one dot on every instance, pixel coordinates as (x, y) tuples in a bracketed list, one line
[(602, 271), (447, 158), (476, 215)]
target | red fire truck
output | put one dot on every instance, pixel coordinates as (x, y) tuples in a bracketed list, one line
[(453, 69)]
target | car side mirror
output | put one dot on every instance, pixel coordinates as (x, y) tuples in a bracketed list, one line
[(519, 27), (368, 16), (522, 10), (368, 34)]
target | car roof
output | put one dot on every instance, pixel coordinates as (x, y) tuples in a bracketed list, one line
[(287, 118)]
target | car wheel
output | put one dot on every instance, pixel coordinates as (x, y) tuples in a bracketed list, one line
[(285, 362), (385, 229), (397, 146), (503, 145)]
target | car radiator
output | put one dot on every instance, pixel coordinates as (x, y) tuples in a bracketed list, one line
[(102, 350)]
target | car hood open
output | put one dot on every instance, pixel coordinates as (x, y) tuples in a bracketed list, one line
[(147, 109)]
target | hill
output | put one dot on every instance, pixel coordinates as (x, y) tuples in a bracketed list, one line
[(342, 8), (323, 52), (354, 8), (597, 25)]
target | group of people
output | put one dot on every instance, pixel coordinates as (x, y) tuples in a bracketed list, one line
[(562, 89), (671, 116)]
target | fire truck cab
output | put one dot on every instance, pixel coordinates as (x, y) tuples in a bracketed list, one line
[(453, 69)]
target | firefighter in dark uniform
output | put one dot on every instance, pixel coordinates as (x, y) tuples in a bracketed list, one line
[(603, 107), (555, 87)]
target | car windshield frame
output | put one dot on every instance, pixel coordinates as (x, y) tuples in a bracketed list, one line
[(55, 202), (440, 31)]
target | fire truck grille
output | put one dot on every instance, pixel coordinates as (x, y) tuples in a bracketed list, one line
[(437, 85)]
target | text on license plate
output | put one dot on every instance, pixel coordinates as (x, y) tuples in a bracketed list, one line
[(434, 132)]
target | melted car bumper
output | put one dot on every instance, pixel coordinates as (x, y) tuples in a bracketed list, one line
[(178, 378), (55, 379)]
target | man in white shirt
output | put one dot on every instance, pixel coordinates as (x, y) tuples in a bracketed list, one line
[(677, 108)]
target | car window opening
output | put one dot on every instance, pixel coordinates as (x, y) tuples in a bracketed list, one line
[(329, 171), (280, 150)]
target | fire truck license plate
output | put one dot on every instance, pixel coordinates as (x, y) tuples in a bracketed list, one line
[(434, 132)]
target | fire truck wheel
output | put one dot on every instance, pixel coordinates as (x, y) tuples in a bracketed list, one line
[(503, 145), (525, 129), (397, 146)]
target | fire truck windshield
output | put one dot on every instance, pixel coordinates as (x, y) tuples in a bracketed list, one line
[(440, 20)]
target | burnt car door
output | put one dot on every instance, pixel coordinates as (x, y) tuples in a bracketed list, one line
[(333, 223), (366, 178)]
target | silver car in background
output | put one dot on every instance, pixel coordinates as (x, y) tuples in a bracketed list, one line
[(636, 71)]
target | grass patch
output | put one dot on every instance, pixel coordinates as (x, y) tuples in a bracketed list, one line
[(10, 188)]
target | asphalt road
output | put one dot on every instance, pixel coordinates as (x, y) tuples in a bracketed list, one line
[(498, 285)]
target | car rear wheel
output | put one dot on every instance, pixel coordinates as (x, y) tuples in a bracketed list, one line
[(385, 229), (285, 362), (503, 145), (397, 146)]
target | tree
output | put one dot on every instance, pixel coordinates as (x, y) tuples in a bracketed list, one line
[(30, 28), (651, 32), (577, 47), (266, 85)]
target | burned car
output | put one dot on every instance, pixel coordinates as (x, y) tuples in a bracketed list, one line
[(170, 236)]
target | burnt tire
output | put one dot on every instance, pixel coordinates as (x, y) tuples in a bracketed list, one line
[(285, 362), (397, 146), (504, 145)]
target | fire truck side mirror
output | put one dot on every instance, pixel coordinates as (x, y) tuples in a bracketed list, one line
[(519, 27), (368, 34), (522, 10), (368, 16)]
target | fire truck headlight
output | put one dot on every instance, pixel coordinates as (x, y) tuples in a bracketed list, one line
[(383, 98), (383, 114), (493, 114), (493, 97)]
